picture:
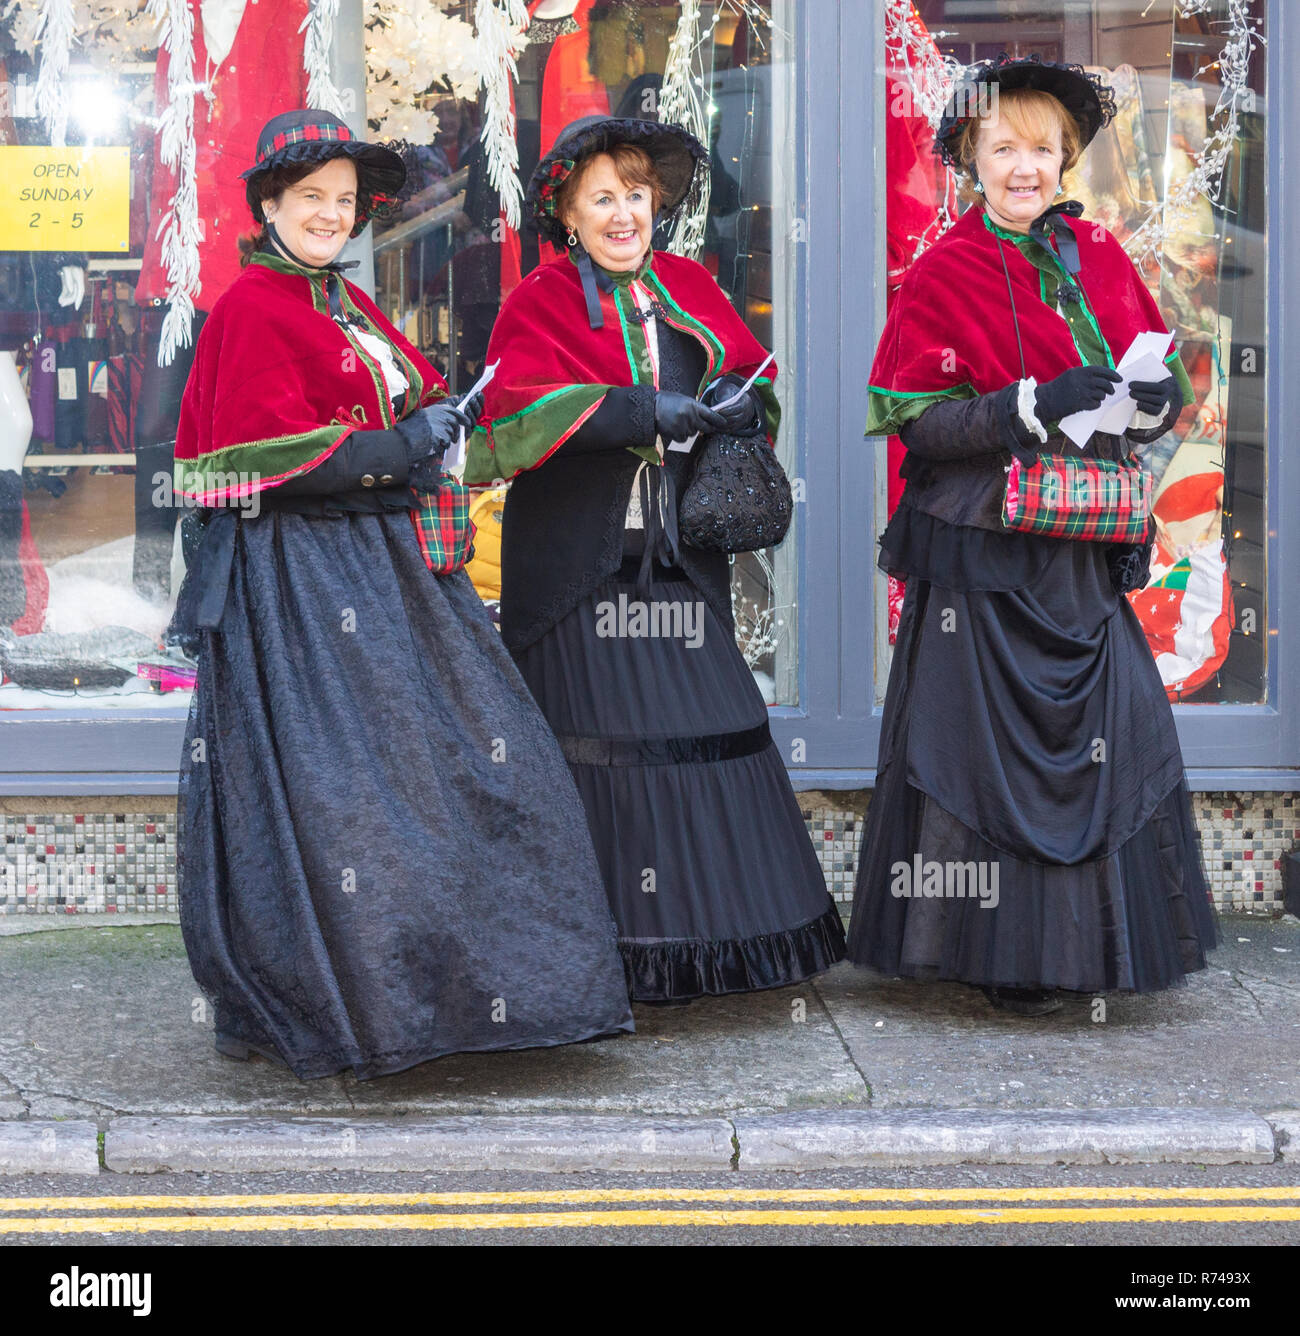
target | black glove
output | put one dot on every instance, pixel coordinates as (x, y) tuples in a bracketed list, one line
[(1073, 391), (472, 408), (427, 434), (1155, 396), (678, 417), (745, 416)]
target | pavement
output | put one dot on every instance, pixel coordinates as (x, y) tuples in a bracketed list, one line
[(107, 1065)]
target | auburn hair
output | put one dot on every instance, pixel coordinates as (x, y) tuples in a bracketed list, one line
[(633, 166)]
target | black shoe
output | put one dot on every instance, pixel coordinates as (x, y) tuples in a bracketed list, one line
[(1023, 1001), (230, 1047)]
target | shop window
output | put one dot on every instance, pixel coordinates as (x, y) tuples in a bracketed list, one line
[(446, 261), (95, 349), (1179, 176)]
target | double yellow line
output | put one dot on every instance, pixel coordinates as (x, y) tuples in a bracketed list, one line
[(765, 1207)]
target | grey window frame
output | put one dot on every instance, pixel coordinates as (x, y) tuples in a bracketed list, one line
[(835, 729)]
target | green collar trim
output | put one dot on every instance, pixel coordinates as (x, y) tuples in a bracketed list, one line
[(1004, 233), (283, 266)]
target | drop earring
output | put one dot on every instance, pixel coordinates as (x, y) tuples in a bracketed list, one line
[(1060, 189), (572, 239), (979, 187)]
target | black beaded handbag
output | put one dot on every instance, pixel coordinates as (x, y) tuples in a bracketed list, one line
[(738, 499)]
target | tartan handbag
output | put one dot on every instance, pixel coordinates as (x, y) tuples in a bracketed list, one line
[(1090, 500), (443, 526)]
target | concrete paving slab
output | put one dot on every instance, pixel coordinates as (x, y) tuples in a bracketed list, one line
[(1230, 1038), (864, 1138), (49, 1148), (757, 1051), (549, 1144), (109, 1021)]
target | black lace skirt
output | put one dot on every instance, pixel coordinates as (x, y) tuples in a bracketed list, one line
[(378, 862), (1031, 825), (710, 873)]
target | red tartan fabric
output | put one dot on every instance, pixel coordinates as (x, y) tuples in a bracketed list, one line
[(443, 527), (1089, 500)]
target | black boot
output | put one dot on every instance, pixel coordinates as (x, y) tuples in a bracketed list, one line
[(1023, 1001)]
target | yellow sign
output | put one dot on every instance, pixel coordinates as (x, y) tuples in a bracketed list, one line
[(64, 199)]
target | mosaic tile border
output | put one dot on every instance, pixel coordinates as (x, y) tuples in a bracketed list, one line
[(1243, 839), (113, 863), (88, 863)]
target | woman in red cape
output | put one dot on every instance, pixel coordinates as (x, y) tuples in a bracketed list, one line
[(623, 632), (378, 862), (1031, 828)]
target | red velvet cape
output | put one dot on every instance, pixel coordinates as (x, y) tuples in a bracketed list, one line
[(951, 326), (555, 369), (277, 385)]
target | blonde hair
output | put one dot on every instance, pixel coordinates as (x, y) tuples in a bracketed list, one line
[(1027, 112)]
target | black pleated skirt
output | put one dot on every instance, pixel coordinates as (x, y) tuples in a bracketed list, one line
[(379, 858), (1031, 824), (706, 860)]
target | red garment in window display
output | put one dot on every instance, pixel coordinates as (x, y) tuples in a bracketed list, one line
[(919, 191), (36, 580), (260, 75), (569, 91)]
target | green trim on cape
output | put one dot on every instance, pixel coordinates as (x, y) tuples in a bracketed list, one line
[(274, 457), (522, 440), (889, 410)]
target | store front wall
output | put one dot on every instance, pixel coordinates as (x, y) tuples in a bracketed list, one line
[(807, 222)]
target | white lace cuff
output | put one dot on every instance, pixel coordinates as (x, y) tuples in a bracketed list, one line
[(1025, 408)]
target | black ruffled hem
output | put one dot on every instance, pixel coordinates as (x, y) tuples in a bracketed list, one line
[(667, 970)]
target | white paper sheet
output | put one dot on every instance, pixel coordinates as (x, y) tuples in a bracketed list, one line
[(728, 401), (1144, 360), (455, 456)]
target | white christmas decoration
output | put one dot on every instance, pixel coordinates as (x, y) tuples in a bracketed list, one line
[(681, 103), (760, 624), (500, 26), (179, 226), (319, 27), (929, 78), (411, 46), (1205, 180), (55, 33), (107, 34)]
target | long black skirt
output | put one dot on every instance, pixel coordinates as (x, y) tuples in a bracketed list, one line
[(383, 858), (710, 873), (1031, 825)]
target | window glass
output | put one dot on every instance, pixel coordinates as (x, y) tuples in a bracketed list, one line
[(95, 349), (1179, 176), (446, 261)]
